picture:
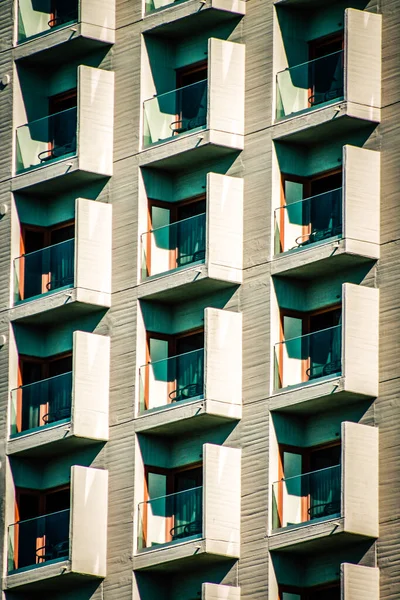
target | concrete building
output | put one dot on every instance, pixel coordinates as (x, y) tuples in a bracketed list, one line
[(199, 319)]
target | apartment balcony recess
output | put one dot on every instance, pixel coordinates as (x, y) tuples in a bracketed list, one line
[(52, 395), (70, 544), (72, 147), (183, 242), (66, 410), (334, 230), (23, 549), (185, 17), (342, 90), (56, 260), (192, 121), (67, 28), (312, 509), (46, 140), (323, 369), (70, 277), (197, 389), (312, 84), (308, 357), (197, 524), (199, 254), (307, 498), (171, 519)]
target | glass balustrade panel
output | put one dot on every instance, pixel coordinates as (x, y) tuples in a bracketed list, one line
[(173, 113), (307, 497), (310, 85), (46, 140), (308, 357), (37, 541), (171, 518), (41, 404), (306, 222), (34, 18), (44, 270), (175, 379), (174, 246)]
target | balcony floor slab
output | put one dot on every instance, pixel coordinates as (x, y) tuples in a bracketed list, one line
[(324, 258), (174, 558), (316, 397), (191, 16), (190, 149), (192, 417), (68, 303), (46, 578), (335, 120)]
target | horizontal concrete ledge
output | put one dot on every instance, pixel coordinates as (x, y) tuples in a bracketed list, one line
[(67, 303), (192, 281), (60, 176), (307, 534), (50, 441), (184, 18), (314, 397), (329, 257), (190, 149), (300, 3), (64, 44), (331, 121), (46, 578), (176, 557), (198, 415)]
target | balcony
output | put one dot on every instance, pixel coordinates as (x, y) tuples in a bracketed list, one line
[(333, 505), (171, 518), (342, 89), (329, 232), (70, 544), (198, 388), (332, 366), (195, 524), (198, 254), (70, 29), (192, 121), (71, 277), (67, 410), (72, 147)]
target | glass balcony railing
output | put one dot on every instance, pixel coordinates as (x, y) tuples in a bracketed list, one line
[(173, 246), (152, 5), (46, 140), (307, 497), (308, 357), (175, 379), (171, 518), (44, 270), (41, 404), (311, 84), (34, 19), (37, 541), (180, 111), (308, 221)]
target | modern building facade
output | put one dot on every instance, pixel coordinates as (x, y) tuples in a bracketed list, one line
[(198, 299)]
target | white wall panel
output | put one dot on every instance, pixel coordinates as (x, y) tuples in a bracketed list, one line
[(95, 120), (93, 249), (88, 527), (98, 12), (223, 356), (360, 479), (213, 591), (361, 339), (221, 499), (226, 86), (91, 382), (224, 253), (361, 198), (363, 57), (359, 583)]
